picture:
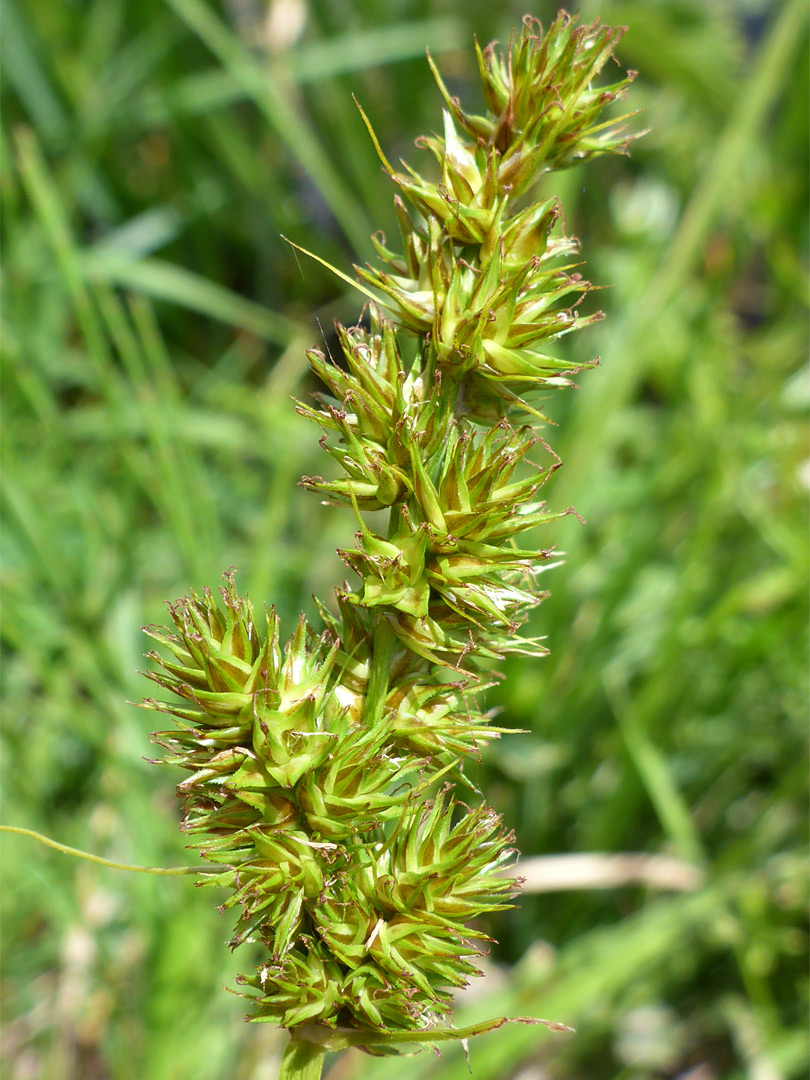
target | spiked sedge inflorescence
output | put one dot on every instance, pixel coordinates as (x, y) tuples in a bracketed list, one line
[(322, 773)]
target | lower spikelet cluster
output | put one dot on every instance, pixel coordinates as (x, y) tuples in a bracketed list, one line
[(342, 847)]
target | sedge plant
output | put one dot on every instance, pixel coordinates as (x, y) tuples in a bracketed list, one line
[(326, 784)]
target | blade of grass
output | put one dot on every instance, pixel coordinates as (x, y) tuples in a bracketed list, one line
[(53, 217), (718, 189), (174, 487), (137, 237), (772, 70), (164, 281), (128, 68), (362, 49), (53, 566), (313, 62), (669, 804), (261, 83), (174, 501), (25, 74), (188, 471)]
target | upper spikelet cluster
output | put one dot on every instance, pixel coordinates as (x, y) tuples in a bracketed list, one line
[(321, 774)]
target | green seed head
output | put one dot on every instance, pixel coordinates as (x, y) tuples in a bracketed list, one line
[(320, 773)]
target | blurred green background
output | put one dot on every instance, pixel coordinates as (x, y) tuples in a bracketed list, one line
[(154, 326)]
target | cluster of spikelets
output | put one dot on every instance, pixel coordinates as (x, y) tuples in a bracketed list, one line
[(321, 775), (356, 882)]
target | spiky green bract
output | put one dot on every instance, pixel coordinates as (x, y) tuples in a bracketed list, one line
[(322, 774)]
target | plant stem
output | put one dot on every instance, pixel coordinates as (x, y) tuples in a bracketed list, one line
[(382, 653), (79, 854), (302, 1061)]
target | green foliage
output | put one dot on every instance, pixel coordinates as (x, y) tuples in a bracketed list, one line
[(147, 291)]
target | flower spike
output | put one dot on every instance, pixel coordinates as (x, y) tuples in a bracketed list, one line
[(321, 774)]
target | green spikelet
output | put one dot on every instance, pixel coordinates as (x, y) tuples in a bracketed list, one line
[(321, 774)]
